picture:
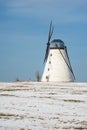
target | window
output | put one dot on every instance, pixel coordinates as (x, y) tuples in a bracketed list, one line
[(47, 78), (48, 69), (49, 62), (51, 54)]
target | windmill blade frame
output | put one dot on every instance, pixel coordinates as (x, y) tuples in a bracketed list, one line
[(50, 31), (48, 42)]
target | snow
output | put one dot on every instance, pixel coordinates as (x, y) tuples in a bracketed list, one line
[(43, 106)]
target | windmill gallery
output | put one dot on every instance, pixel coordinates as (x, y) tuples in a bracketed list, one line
[(57, 64)]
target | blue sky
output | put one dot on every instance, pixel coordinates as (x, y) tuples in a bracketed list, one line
[(24, 26)]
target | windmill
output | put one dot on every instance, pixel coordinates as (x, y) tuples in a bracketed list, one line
[(57, 64)]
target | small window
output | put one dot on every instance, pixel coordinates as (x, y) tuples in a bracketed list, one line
[(51, 54), (48, 69), (49, 62), (47, 78)]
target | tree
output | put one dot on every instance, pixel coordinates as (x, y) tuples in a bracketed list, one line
[(38, 76)]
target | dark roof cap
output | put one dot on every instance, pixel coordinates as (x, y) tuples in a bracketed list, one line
[(57, 42)]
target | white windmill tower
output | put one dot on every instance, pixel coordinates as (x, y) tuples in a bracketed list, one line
[(57, 63)]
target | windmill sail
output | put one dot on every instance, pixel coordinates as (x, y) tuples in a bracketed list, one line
[(48, 42)]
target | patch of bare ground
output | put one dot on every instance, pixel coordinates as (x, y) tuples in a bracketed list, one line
[(15, 89), (24, 129), (72, 100), (40, 118), (16, 116), (80, 128), (8, 116), (70, 128), (3, 114), (8, 95)]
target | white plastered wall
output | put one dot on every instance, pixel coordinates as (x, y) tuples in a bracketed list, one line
[(56, 69)]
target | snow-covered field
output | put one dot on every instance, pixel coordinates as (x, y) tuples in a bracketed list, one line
[(43, 106)]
